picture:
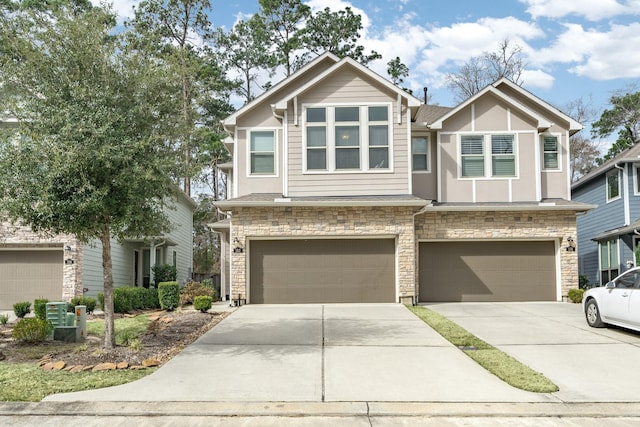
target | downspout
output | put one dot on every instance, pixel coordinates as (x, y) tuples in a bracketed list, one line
[(625, 196), (416, 292), (285, 148)]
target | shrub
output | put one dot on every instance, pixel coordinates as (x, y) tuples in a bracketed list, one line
[(169, 295), (89, 302), (164, 273), (4, 319), (32, 330), (40, 308), (121, 301), (202, 303), (583, 282), (101, 300), (194, 289), (150, 298), (21, 309), (207, 282), (575, 295), (128, 298)]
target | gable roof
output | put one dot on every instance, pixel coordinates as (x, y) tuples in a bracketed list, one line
[(543, 123), (344, 62), (430, 113), (327, 56), (630, 155)]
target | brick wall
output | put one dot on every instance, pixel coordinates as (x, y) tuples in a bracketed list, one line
[(294, 222), (550, 225)]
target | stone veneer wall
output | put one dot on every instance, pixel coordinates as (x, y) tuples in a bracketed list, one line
[(327, 222), (19, 236), (549, 225)]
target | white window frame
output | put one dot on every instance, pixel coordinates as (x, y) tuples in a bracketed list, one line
[(363, 123), (248, 133), (606, 185), (609, 270), (558, 152), (488, 155), (427, 154)]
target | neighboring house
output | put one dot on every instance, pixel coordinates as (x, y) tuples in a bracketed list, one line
[(345, 188), (609, 234), (59, 267)]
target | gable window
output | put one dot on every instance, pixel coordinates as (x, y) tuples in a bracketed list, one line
[(613, 185), (317, 138), (550, 153), (609, 265), (420, 153), (262, 153), (347, 138), (472, 151), (503, 159)]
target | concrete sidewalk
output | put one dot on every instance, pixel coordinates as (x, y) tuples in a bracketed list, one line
[(317, 353)]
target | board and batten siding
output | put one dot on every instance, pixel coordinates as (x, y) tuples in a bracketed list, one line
[(606, 216), (348, 87)]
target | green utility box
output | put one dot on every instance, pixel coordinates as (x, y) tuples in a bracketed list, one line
[(57, 313)]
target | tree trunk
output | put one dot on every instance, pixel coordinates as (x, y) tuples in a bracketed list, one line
[(107, 268)]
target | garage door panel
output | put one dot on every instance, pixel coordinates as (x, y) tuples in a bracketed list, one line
[(487, 271), (29, 274), (322, 271)]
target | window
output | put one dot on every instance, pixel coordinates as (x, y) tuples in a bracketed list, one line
[(420, 153), (262, 153), (347, 138), (609, 265), (472, 151), (550, 153), (317, 138), (378, 138), (613, 185), (503, 160)]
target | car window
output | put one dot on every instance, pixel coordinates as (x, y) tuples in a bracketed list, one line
[(628, 281)]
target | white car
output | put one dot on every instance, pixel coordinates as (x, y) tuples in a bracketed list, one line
[(616, 303)]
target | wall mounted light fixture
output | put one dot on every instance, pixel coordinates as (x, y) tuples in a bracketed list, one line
[(571, 244)]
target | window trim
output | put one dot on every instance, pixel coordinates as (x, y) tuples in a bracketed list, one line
[(636, 176), (363, 126), (276, 170), (488, 155), (606, 185), (609, 252), (557, 136), (427, 154)]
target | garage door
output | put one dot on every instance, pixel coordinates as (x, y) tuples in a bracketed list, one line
[(29, 274), (487, 271), (322, 271)]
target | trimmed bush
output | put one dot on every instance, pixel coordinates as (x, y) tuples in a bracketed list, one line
[(128, 298), (194, 289), (575, 295), (202, 303), (164, 273), (150, 298), (32, 330), (89, 302), (21, 309), (40, 308), (169, 295)]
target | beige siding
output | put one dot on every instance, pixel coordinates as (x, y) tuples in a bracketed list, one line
[(554, 183), (348, 87), (248, 184), (182, 234), (425, 184)]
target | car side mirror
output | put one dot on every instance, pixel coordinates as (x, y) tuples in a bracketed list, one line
[(610, 285)]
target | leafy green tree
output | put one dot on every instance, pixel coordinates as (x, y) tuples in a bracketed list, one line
[(584, 151), (507, 61), (624, 117), (245, 48), (283, 21), (336, 32), (90, 157), (397, 71), (174, 32)]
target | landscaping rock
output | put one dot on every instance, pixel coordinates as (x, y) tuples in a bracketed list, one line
[(76, 368), (59, 365), (149, 363), (108, 366), (122, 365)]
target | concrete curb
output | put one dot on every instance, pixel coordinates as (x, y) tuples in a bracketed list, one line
[(325, 409)]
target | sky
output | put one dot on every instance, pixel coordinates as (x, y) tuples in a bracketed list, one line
[(573, 49)]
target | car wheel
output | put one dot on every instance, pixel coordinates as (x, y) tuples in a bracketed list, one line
[(592, 314)]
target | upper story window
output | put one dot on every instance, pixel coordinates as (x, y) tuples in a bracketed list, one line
[(613, 185), (262, 153), (420, 153), (347, 138), (476, 163), (550, 153)]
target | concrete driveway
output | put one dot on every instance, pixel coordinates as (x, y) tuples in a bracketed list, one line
[(589, 365), (324, 353)]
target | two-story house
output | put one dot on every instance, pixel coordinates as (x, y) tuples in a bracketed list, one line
[(609, 234), (345, 188)]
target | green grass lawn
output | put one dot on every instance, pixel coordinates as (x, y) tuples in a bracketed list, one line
[(27, 382), (493, 360)]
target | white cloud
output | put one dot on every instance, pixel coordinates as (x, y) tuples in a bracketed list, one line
[(124, 8), (537, 79), (593, 10)]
